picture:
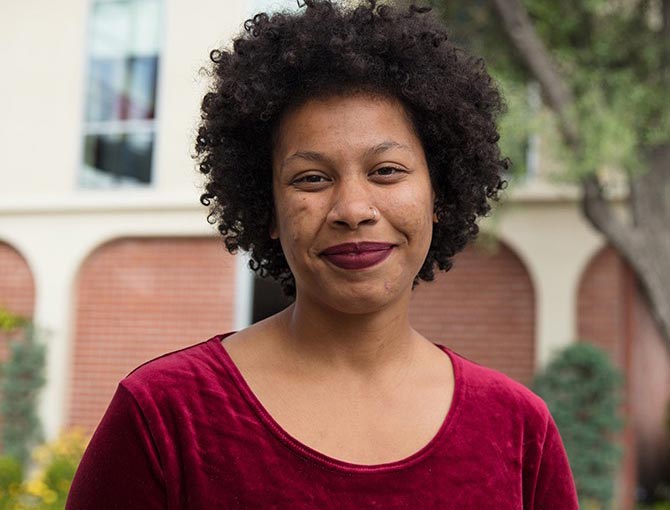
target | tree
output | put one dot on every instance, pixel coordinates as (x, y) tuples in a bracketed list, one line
[(21, 379), (583, 392), (603, 67)]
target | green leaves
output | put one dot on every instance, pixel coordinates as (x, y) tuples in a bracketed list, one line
[(583, 392), (9, 321), (518, 125), (22, 379), (609, 54)]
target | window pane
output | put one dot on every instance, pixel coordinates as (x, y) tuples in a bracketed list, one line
[(121, 89), (121, 158), (125, 27)]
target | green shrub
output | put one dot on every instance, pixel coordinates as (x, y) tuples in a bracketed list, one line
[(583, 392), (22, 380), (10, 321), (658, 505), (54, 466), (11, 478), (59, 461)]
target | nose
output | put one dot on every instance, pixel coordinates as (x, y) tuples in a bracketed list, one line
[(352, 206)]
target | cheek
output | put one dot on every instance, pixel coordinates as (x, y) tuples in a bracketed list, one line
[(419, 225), (414, 214), (295, 219)]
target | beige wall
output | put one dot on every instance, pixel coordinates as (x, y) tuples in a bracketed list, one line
[(43, 51)]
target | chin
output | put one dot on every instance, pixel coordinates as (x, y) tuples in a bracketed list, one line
[(359, 306), (361, 299)]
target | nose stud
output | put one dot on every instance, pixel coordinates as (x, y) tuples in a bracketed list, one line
[(374, 213)]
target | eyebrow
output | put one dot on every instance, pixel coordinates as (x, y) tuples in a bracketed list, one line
[(320, 157)]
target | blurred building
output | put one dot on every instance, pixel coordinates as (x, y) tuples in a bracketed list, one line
[(104, 243)]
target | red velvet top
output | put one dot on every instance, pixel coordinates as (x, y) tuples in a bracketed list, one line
[(184, 431)]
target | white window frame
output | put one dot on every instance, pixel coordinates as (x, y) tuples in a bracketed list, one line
[(86, 174)]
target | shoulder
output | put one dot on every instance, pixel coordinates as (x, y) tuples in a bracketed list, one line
[(177, 372), (502, 396), (507, 416)]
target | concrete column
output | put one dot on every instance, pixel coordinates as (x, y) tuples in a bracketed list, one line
[(555, 243), (54, 262)]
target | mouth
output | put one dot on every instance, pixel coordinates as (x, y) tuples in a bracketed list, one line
[(361, 247), (355, 256)]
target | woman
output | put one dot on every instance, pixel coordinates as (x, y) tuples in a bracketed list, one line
[(350, 151)]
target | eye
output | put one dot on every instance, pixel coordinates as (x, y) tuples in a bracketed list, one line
[(310, 179), (389, 171)]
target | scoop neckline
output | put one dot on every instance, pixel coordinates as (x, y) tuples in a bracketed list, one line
[(331, 462)]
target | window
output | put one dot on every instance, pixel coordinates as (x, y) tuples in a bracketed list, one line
[(119, 124)]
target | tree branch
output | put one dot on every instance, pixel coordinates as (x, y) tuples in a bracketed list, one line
[(630, 242), (521, 32), (595, 207), (665, 41), (599, 213)]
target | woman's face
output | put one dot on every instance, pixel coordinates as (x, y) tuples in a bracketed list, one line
[(350, 169)]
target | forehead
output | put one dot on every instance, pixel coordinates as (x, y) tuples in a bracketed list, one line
[(344, 122)]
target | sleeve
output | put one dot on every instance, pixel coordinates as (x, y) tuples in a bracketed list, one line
[(120, 468), (549, 481)]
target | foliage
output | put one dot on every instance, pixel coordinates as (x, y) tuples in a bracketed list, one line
[(9, 321), (615, 48), (23, 377), (56, 465), (475, 26), (582, 390), (517, 125), (663, 504), (11, 477), (48, 487), (612, 56)]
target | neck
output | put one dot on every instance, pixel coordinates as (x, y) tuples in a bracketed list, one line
[(366, 344)]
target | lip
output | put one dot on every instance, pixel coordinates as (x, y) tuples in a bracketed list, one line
[(361, 247), (357, 255)]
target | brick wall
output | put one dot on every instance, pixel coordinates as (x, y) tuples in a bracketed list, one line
[(603, 319), (601, 304), (650, 399), (649, 395), (614, 315), (137, 299), (17, 289), (483, 308)]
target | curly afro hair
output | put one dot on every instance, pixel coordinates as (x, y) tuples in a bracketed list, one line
[(282, 60)]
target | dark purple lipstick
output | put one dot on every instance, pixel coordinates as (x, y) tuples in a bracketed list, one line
[(357, 255)]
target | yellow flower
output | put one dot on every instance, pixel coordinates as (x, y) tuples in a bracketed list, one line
[(49, 497), (41, 454)]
